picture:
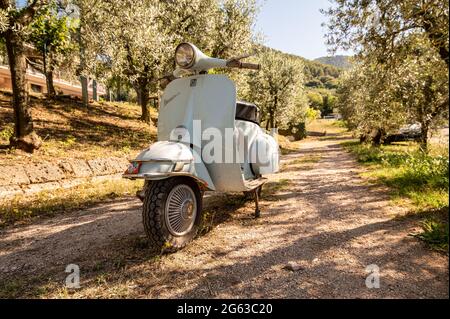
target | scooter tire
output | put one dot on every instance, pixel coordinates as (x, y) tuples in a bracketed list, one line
[(154, 219)]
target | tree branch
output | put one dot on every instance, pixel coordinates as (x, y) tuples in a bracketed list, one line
[(26, 15)]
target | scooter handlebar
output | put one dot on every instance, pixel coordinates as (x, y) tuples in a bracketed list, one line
[(250, 66), (242, 65)]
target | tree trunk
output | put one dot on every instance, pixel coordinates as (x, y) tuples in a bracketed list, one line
[(143, 93), (271, 119), (272, 112), (423, 141), (48, 72), (94, 90), (84, 90), (436, 37), (108, 94), (51, 92), (25, 138), (377, 137)]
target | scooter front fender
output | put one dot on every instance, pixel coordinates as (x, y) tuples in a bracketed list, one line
[(166, 159)]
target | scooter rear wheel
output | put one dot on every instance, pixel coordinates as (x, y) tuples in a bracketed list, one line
[(172, 213)]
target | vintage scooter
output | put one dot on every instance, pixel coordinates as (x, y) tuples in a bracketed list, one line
[(207, 141)]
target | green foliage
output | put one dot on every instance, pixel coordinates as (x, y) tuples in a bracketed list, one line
[(378, 27), (322, 100), (316, 74), (312, 114), (409, 171), (329, 102), (339, 61), (401, 74), (412, 174), (51, 32), (6, 133), (435, 234), (278, 89), (315, 100), (314, 70)]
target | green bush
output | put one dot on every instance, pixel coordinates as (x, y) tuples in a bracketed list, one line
[(435, 234), (417, 167), (6, 133)]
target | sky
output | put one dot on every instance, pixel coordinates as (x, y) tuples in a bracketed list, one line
[(294, 26)]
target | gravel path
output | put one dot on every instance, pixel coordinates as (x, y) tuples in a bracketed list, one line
[(327, 222)]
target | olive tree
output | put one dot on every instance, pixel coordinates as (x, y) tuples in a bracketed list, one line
[(375, 99), (51, 36), (142, 36), (403, 49), (382, 25), (366, 102), (138, 47), (421, 85), (15, 26), (93, 21), (278, 89)]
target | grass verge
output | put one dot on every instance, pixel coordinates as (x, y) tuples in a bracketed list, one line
[(23, 208), (416, 179)]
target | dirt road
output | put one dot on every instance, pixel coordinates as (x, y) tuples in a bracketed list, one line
[(317, 213)]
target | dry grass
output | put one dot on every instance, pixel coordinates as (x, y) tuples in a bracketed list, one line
[(287, 146), (242, 257), (24, 208), (69, 130), (325, 128)]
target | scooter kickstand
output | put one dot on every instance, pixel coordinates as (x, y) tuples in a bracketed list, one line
[(257, 211)]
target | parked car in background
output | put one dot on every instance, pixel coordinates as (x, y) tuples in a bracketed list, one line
[(410, 132), (333, 116)]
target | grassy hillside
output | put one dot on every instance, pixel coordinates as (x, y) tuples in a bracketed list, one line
[(317, 74), (339, 61), (70, 130)]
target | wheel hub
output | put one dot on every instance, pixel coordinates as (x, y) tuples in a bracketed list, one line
[(187, 209), (181, 210)]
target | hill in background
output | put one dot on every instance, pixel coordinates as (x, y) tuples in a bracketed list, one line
[(321, 82), (339, 61), (317, 74)]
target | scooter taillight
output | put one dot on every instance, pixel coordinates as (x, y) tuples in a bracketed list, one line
[(133, 168)]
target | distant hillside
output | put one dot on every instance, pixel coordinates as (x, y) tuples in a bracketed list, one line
[(339, 61), (317, 74)]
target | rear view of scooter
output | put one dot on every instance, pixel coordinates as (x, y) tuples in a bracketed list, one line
[(207, 141)]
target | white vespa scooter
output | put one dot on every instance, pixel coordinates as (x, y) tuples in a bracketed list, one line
[(207, 141)]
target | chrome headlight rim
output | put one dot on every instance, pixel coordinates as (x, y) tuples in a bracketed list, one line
[(190, 63)]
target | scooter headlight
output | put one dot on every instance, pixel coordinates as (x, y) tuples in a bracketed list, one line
[(185, 55)]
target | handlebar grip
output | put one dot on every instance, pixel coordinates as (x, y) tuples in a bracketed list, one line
[(242, 65), (250, 66)]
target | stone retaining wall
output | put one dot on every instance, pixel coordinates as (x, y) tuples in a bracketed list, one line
[(36, 177)]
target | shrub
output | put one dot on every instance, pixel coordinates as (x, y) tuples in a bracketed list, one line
[(6, 133), (434, 234)]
